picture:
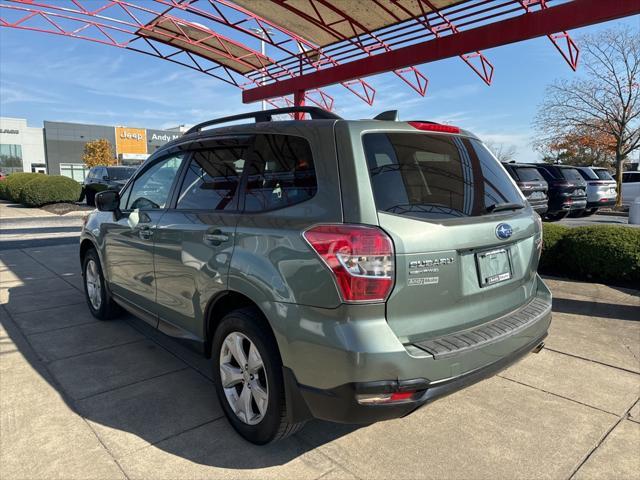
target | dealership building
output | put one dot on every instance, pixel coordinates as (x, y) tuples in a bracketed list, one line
[(57, 148)]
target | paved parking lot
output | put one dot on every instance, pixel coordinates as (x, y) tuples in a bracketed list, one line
[(86, 399), (597, 219)]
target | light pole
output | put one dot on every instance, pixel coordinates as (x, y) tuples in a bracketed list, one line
[(263, 32)]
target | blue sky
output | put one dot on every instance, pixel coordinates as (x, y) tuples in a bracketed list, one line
[(46, 77)]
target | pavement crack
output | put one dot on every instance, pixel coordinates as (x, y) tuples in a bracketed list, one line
[(557, 395), (120, 387), (87, 353), (602, 439), (593, 361)]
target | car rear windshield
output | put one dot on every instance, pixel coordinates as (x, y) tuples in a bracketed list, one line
[(120, 173), (602, 174), (528, 174), (435, 176), (572, 174)]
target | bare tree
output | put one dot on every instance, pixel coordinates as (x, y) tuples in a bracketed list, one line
[(504, 153), (606, 99)]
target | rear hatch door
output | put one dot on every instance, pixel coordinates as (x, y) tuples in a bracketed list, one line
[(531, 183), (465, 241), (577, 184)]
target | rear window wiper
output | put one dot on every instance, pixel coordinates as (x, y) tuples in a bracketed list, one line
[(498, 207)]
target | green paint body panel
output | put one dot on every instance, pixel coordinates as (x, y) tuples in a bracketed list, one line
[(176, 276)]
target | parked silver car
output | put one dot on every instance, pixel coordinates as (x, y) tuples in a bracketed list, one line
[(601, 188)]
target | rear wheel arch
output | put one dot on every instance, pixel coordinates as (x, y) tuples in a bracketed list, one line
[(221, 305)]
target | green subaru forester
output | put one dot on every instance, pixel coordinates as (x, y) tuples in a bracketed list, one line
[(345, 270)]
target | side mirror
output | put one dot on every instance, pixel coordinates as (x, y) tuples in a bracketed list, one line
[(108, 201)]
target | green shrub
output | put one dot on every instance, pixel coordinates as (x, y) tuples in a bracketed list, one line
[(601, 253), (3, 190), (605, 253), (551, 257), (15, 182), (50, 189)]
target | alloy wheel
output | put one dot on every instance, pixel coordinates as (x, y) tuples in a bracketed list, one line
[(94, 285), (244, 378)]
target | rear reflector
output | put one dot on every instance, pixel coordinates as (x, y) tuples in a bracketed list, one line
[(384, 398), (435, 127), (361, 259)]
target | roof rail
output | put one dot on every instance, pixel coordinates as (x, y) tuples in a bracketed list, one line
[(266, 115)]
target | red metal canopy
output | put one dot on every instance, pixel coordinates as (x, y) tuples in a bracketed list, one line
[(311, 44)]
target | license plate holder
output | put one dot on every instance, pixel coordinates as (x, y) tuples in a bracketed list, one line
[(494, 266)]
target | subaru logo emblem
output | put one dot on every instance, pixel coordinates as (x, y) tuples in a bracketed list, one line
[(504, 231)]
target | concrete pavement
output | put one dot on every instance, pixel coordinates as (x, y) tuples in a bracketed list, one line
[(597, 220), (33, 227), (86, 399)]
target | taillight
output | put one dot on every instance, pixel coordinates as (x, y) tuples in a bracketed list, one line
[(539, 241), (434, 127), (361, 259)]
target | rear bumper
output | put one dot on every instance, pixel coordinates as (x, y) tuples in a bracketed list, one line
[(566, 204), (388, 367), (603, 202), (539, 206), (340, 405)]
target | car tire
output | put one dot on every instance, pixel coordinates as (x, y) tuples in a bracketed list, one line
[(555, 217), (241, 331), (577, 213), (99, 300), (589, 212), (91, 198)]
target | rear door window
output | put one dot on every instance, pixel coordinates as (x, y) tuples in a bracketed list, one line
[(120, 173), (631, 177), (213, 177), (435, 176), (281, 174)]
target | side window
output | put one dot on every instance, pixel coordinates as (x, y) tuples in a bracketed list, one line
[(281, 174), (212, 178), (151, 190), (101, 173), (545, 173), (630, 177)]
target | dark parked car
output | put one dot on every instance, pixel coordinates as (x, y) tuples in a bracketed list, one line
[(567, 190), (105, 178), (532, 185)]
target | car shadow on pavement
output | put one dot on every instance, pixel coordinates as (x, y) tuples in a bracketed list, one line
[(141, 392), (597, 309)]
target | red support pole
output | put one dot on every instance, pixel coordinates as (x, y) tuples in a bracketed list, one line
[(298, 101)]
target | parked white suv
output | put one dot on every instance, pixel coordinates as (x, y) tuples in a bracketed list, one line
[(601, 188), (630, 187)]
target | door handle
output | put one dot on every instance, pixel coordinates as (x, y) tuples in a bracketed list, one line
[(215, 237), (145, 232)]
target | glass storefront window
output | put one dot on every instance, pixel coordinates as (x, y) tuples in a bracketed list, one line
[(10, 158), (77, 171)]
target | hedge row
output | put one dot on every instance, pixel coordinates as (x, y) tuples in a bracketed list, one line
[(37, 189), (12, 185), (601, 253)]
